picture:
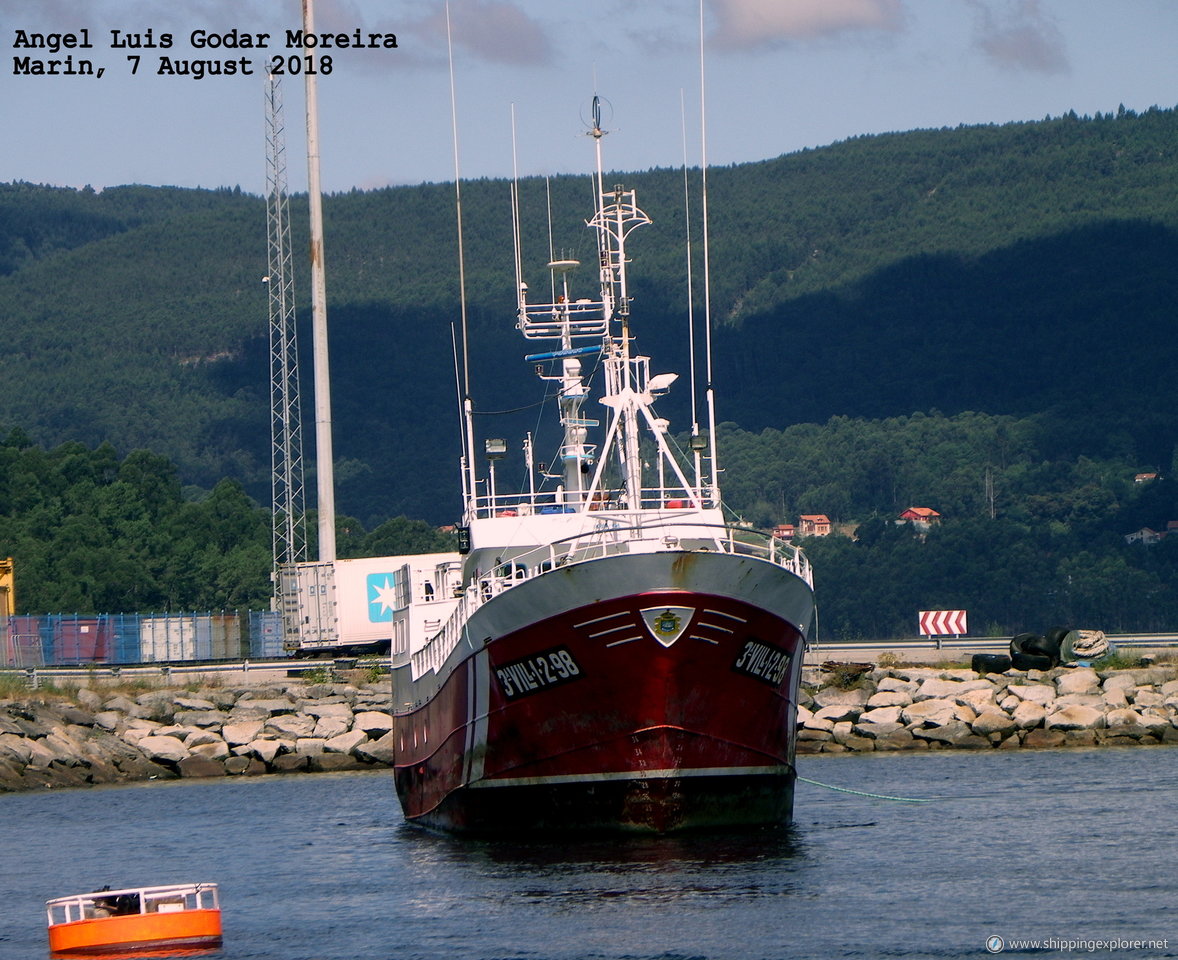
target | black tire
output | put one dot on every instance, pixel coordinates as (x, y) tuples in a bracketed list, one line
[(1018, 643), (1056, 634), (989, 663), (1046, 646), (1030, 661)]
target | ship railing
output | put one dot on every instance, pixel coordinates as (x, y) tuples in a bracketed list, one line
[(547, 321), (171, 898), (613, 535), (608, 539), (529, 504)]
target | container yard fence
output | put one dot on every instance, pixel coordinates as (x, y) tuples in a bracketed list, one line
[(129, 638)]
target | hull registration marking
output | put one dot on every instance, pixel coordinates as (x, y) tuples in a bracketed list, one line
[(763, 662), (540, 671)]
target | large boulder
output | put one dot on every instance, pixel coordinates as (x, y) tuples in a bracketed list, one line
[(934, 688), (200, 718), (373, 722), (994, 721), (930, 713), (979, 699), (834, 713), (265, 750), (1074, 717), (193, 703), (345, 742), (1080, 680), (16, 748), (896, 685), (874, 731), (241, 732), (378, 751), (1147, 697), (198, 765), (1039, 693), (881, 715), (291, 725), (328, 727), (339, 710), (889, 698), (955, 733), (1029, 714), (167, 749), (272, 706), (1120, 680)]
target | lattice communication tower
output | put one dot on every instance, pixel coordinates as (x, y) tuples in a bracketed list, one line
[(286, 430)]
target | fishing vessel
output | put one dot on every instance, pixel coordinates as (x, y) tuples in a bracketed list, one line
[(609, 649), (136, 920)]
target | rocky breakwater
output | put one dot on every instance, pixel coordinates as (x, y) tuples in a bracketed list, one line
[(922, 708), (96, 737)]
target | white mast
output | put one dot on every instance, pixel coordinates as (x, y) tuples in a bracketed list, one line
[(325, 471), (710, 394), (630, 390), (471, 482)]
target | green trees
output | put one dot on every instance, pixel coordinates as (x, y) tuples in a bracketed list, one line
[(975, 320), (93, 534), (1054, 551)]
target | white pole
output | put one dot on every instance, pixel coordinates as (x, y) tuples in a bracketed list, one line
[(710, 395), (325, 472)]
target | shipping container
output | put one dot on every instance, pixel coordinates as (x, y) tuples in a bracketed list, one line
[(23, 645), (80, 640), (266, 634), (167, 638)]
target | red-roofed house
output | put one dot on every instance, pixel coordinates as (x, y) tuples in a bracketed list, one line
[(923, 517), (813, 525)]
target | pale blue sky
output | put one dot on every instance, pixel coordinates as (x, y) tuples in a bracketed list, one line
[(781, 75)]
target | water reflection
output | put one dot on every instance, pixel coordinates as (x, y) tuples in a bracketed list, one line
[(678, 869)]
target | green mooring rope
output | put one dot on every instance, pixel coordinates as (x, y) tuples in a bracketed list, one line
[(860, 793)]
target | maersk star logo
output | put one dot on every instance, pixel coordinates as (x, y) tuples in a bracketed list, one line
[(381, 602), (666, 624)]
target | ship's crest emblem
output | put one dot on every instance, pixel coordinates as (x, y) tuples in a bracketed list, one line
[(666, 624)]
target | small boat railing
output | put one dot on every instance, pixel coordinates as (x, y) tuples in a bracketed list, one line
[(170, 898), (608, 539)]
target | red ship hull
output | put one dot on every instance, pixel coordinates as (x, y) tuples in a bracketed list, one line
[(660, 709)]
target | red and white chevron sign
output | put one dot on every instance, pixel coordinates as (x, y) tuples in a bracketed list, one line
[(935, 623)]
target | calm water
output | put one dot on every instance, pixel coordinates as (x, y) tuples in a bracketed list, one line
[(1075, 845)]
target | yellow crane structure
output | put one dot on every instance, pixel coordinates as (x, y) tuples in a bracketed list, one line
[(7, 590)]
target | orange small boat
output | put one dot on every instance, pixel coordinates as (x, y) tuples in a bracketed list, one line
[(186, 915)]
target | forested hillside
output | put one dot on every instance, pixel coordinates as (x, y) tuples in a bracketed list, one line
[(898, 318)]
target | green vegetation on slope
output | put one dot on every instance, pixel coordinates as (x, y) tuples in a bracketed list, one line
[(898, 315)]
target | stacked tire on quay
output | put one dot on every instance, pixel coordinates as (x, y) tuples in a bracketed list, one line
[(1030, 651), (99, 736)]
